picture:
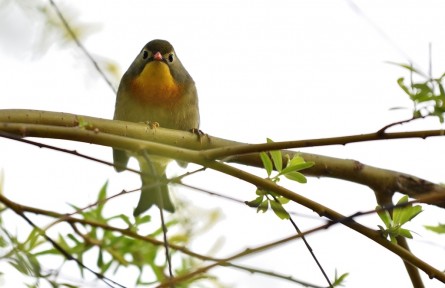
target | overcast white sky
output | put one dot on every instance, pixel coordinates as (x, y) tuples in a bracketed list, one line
[(279, 69)]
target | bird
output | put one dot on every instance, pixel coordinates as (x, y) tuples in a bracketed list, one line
[(157, 89)]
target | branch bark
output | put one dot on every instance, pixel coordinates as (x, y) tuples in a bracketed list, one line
[(184, 146), (384, 182)]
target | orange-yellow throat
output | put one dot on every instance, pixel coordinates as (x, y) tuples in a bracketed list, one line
[(155, 85)]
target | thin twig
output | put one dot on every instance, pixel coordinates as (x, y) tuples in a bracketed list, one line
[(52, 147), (273, 274), (80, 45), (311, 251), (382, 130), (246, 252), (378, 29), (306, 243)]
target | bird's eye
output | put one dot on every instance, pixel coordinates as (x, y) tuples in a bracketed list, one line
[(171, 57), (144, 54)]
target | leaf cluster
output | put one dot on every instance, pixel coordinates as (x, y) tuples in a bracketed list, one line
[(111, 249), (271, 160), (427, 95), (400, 215), (20, 254)]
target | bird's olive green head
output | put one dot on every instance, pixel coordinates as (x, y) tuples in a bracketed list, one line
[(163, 51)]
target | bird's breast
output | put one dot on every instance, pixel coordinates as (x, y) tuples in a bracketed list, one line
[(155, 85)]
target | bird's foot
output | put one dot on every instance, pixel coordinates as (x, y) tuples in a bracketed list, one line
[(200, 134), (152, 124)]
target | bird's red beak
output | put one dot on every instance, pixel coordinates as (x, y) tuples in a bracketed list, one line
[(158, 56)]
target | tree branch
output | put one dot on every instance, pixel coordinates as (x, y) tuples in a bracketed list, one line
[(83, 128), (98, 131)]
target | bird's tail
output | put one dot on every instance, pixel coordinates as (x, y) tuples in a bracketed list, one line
[(154, 185)]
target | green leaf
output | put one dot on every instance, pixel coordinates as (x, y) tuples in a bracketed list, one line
[(104, 268), (263, 207), (406, 66), (283, 200), (401, 215), (260, 192), (3, 242), (417, 114), (296, 160), (279, 210), (256, 202), (101, 198), (384, 216), (25, 263), (100, 258), (296, 176), (62, 242), (34, 239), (409, 213), (421, 95), (439, 229), (424, 87), (126, 219), (405, 233), (297, 167), (441, 89), (397, 211), (118, 256), (339, 280), (292, 163), (401, 82), (267, 163), (277, 158), (143, 219), (393, 239)]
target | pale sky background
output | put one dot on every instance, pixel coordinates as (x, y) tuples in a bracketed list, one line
[(280, 69)]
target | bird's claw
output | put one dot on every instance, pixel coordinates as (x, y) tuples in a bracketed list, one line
[(198, 132), (152, 124)]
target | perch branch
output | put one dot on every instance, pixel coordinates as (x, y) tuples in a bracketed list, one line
[(387, 182), (98, 131)]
